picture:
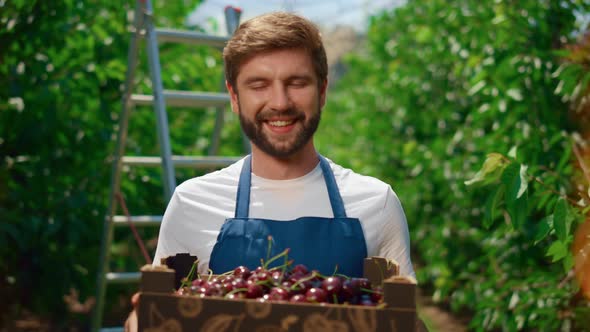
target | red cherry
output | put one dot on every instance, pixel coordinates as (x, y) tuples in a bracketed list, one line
[(315, 295), (332, 286), (350, 290), (239, 283), (364, 283), (242, 272), (254, 291), (301, 269), (278, 294), (298, 298), (198, 282), (235, 296)]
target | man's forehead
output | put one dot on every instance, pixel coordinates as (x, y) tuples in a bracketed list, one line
[(282, 59)]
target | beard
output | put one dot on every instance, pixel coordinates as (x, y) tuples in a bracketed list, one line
[(280, 148)]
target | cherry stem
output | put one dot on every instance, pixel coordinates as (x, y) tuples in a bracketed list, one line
[(335, 270), (304, 279), (227, 273), (268, 248), (366, 290), (210, 274), (283, 253), (189, 278), (237, 290)]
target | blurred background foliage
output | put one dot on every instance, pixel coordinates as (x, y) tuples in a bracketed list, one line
[(444, 86), (475, 112), (62, 66)]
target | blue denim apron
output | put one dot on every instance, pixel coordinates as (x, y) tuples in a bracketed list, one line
[(319, 243)]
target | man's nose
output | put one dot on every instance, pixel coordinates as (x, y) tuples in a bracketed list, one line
[(279, 99)]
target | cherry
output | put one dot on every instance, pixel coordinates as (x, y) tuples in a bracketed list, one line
[(239, 283), (332, 286), (242, 272), (315, 295), (238, 295), (363, 283), (301, 269), (254, 291), (211, 289), (277, 276), (298, 298), (350, 289), (227, 286), (278, 294), (198, 282)]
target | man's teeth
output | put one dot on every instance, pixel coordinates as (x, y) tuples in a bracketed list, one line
[(280, 123)]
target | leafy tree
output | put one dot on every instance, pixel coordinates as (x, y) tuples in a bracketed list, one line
[(444, 84), (62, 65)]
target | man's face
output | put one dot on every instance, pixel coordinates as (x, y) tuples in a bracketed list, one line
[(279, 100)]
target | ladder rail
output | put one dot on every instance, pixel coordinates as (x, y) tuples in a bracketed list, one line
[(107, 237), (189, 37), (144, 29), (159, 103)]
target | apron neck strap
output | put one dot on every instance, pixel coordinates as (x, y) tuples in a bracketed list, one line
[(243, 194)]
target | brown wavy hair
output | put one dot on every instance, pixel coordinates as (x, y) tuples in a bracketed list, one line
[(270, 32)]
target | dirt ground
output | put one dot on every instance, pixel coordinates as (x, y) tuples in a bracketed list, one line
[(437, 319)]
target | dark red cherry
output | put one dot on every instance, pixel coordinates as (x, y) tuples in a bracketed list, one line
[(278, 294), (301, 269), (332, 285), (298, 298), (254, 291), (315, 295), (242, 272)]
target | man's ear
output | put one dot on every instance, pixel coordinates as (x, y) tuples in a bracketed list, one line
[(323, 91), (233, 95)]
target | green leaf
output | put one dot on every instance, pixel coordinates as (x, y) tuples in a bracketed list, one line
[(490, 170), (518, 210), (490, 206), (512, 152), (510, 179), (524, 182), (559, 219), (557, 250), (568, 263), (543, 228)]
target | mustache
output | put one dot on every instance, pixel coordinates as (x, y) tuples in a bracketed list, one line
[(287, 113)]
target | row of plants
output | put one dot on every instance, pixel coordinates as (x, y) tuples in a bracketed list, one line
[(62, 69), (474, 112)]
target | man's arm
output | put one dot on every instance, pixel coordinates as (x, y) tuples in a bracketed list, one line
[(131, 322), (395, 236)]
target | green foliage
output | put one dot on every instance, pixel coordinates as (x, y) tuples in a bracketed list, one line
[(62, 66), (445, 86)]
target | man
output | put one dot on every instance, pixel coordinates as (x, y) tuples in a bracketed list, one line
[(330, 217)]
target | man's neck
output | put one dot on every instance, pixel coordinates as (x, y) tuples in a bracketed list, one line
[(294, 166)]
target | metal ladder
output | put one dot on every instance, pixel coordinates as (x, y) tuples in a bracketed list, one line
[(144, 28)]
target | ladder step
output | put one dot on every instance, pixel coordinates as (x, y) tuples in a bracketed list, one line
[(122, 277), (185, 99), (181, 161), (139, 221), (189, 37)]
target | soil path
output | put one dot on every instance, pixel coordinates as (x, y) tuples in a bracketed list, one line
[(437, 319)]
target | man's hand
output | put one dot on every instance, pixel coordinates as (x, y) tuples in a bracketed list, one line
[(131, 322)]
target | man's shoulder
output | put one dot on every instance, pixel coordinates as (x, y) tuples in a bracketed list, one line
[(348, 177), (226, 177)]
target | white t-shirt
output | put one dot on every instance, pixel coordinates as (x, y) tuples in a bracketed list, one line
[(199, 207)]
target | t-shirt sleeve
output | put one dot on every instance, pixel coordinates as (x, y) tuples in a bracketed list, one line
[(395, 237), (168, 243)]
